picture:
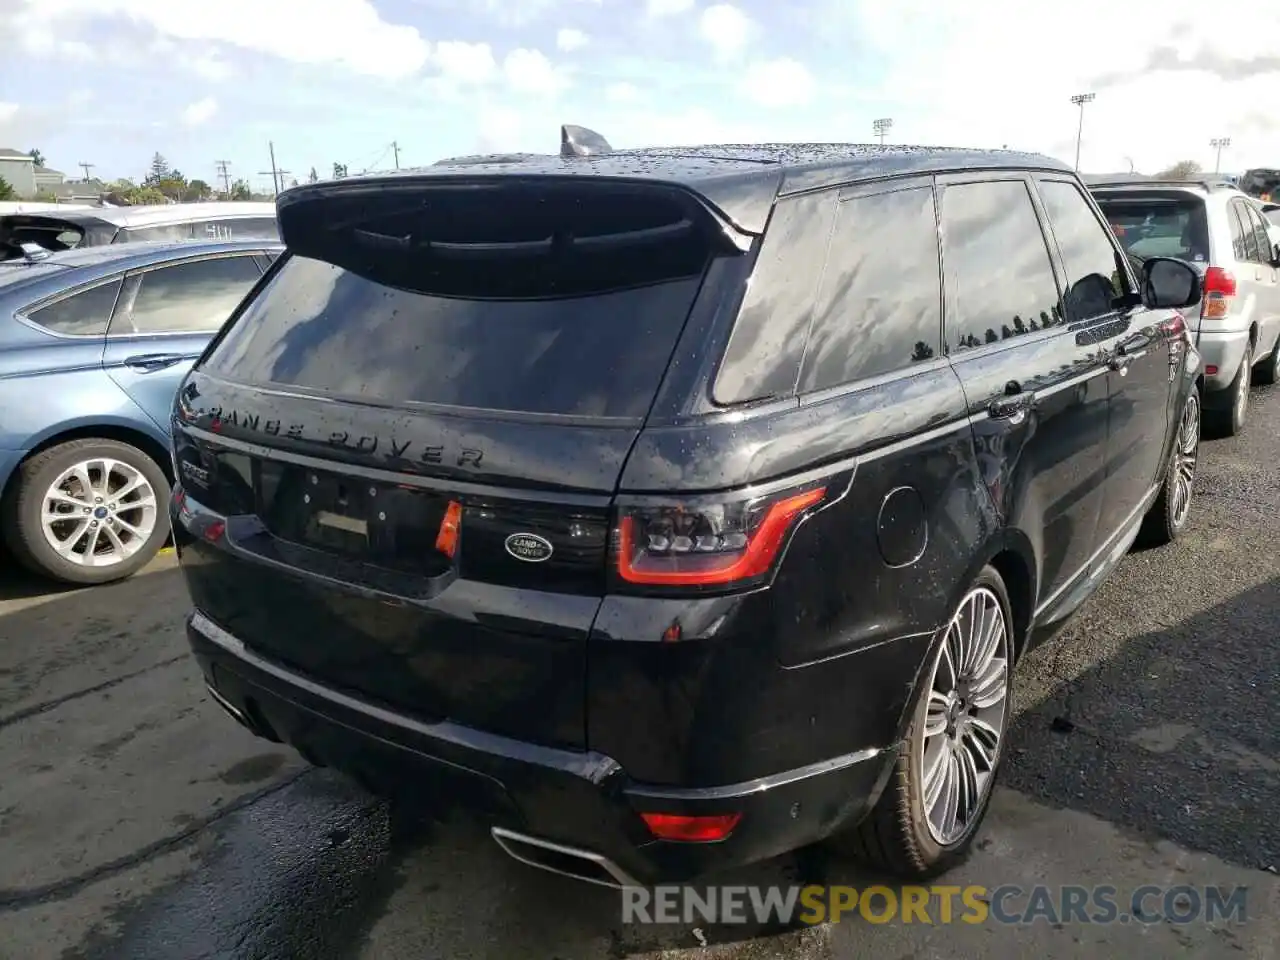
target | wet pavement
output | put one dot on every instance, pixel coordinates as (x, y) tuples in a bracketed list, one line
[(138, 822)]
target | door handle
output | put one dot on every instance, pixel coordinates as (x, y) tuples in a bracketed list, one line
[(1013, 407), (147, 362)]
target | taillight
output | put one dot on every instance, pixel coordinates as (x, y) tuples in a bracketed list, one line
[(1219, 289), (730, 543), (688, 829)]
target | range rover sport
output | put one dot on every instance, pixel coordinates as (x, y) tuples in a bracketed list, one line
[(672, 509)]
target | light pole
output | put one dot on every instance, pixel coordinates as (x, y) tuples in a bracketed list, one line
[(1080, 99), (882, 127), (1218, 143)]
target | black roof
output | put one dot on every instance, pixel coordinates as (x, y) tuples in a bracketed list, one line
[(741, 180)]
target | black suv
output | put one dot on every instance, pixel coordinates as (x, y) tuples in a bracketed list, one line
[(672, 509)]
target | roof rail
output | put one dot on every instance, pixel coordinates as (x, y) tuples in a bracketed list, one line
[(578, 141), (1205, 183)]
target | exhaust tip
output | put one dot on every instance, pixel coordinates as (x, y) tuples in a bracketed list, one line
[(567, 861)]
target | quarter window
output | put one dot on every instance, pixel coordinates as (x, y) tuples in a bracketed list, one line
[(82, 314), (192, 297), (878, 308), (999, 280)]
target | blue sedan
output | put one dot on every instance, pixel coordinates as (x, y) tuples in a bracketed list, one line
[(93, 345)]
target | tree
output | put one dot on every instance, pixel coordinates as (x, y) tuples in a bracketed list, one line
[(339, 171), (6, 190), (159, 169), (197, 190), (1180, 170), (240, 191), (922, 352), (312, 177), (36, 157)]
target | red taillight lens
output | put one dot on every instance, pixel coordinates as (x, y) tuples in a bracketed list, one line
[(447, 537), (675, 826), (1219, 288), (708, 545)]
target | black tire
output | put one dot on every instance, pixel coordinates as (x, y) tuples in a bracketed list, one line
[(895, 836), (1229, 420), (1268, 372), (21, 511), (1167, 517)]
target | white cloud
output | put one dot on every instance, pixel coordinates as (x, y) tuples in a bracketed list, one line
[(780, 83), (210, 67), (530, 72), (465, 63), (623, 92), (7, 111), (727, 29), (569, 39), (201, 111), (347, 32), (667, 8)]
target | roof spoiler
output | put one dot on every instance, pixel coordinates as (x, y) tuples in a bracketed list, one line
[(578, 141)]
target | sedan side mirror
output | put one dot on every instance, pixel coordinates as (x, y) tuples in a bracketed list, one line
[(1170, 284)]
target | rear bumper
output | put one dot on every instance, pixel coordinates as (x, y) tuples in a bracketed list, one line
[(553, 808), (1223, 349)]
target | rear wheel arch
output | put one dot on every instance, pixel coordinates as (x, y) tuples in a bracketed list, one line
[(133, 436)]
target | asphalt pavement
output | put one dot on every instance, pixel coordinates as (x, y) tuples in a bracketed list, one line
[(138, 822)]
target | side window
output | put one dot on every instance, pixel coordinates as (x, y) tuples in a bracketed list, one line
[(1094, 279), (762, 358), (192, 297), (265, 259), (1238, 246), (1251, 251), (999, 280), (1261, 236), (879, 306), (251, 228), (83, 314)]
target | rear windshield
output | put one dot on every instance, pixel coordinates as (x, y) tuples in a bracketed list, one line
[(1159, 226), (51, 233), (470, 311)]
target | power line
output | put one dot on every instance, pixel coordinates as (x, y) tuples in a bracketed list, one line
[(882, 127), (1218, 143), (86, 167), (396, 147), (1080, 99), (223, 166)]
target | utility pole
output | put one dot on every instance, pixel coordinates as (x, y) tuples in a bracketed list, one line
[(86, 167), (1129, 160), (275, 171), (395, 147), (882, 128), (223, 166), (1218, 143), (1080, 99)]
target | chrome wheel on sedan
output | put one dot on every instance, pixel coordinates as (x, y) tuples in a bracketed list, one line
[(99, 512), (965, 717)]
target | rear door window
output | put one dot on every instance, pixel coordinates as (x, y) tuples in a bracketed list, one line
[(192, 297), (1261, 238), (879, 306), (1252, 252), (1094, 279), (82, 314), (999, 279), (531, 302)]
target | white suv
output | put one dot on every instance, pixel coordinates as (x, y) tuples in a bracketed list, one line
[(1222, 231)]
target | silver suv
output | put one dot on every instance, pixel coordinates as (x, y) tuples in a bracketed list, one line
[(1223, 232)]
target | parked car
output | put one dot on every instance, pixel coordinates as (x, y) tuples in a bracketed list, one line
[(93, 344), (95, 226), (659, 506), (1219, 228)]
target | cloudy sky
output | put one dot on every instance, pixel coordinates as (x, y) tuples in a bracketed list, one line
[(110, 82)]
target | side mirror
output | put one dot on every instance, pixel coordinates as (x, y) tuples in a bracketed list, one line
[(1170, 283)]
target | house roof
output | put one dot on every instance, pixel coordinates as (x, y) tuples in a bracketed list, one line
[(7, 154), (49, 170)]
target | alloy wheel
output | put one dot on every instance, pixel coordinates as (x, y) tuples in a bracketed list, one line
[(965, 716), (99, 512), (1185, 455)]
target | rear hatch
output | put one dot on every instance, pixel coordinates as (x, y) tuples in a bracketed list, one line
[(1160, 223), (415, 430)]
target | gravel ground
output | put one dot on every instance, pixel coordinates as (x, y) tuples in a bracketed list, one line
[(137, 822)]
